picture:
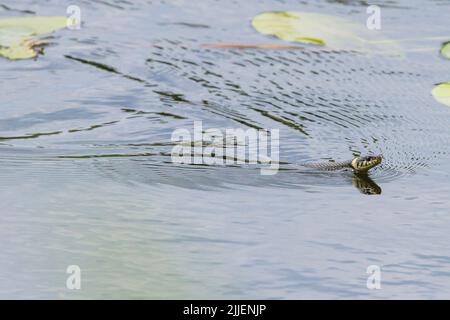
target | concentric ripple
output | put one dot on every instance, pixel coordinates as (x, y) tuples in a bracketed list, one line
[(327, 104)]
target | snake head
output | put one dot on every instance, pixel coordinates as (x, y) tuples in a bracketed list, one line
[(364, 164)]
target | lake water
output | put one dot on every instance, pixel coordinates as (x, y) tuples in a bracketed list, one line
[(87, 177)]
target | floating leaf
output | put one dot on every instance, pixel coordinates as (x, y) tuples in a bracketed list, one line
[(442, 93), (16, 35), (445, 50), (322, 30)]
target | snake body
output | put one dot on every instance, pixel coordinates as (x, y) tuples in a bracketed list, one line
[(358, 164), (330, 166)]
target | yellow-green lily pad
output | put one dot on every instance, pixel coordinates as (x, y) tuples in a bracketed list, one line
[(323, 30), (442, 93), (16, 35), (445, 50)]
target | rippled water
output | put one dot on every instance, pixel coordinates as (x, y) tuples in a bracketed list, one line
[(87, 178)]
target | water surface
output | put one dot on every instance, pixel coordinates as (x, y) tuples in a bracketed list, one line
[(85, 139)]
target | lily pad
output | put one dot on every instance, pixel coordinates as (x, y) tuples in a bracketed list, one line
[(16, 35), (442, 93), (322, 30), (445, 50)]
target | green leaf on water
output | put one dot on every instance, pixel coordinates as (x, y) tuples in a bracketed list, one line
[(442, 93), (445, 50), (16, 35), (323, 30)]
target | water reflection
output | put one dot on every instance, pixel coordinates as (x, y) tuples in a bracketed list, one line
[(365, 184)]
